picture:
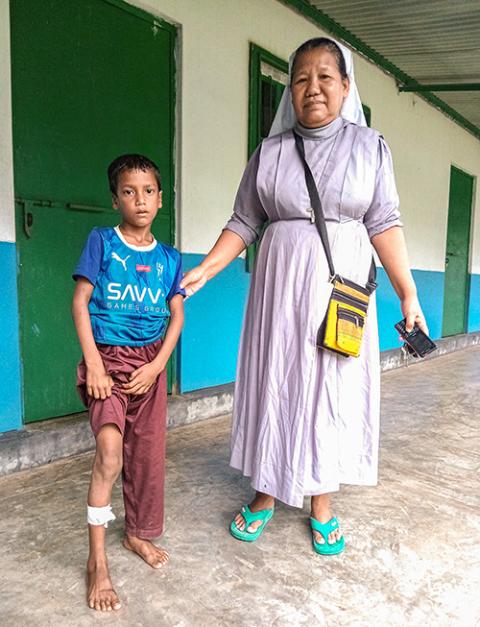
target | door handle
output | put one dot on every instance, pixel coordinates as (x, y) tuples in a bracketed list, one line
[(27, 216), (29, 203), (76, 206), (27, 222), (448, 255)]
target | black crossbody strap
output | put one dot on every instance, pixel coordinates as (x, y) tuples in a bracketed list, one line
[(372, 277), (316, 204), (320, 218)]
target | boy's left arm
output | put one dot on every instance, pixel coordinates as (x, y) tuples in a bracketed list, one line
[(142, 379)]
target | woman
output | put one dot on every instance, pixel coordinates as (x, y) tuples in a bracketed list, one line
[(307, 420)]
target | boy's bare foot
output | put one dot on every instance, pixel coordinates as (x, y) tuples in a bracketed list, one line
[(100, 594), (155, 556)]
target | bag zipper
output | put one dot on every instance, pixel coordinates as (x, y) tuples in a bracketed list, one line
[(348, 300), (351, 315)]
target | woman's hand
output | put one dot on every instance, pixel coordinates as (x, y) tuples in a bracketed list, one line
[(142, 379), (99, 383), (194, 280), (228, 246), (413, 313), (390, 246)]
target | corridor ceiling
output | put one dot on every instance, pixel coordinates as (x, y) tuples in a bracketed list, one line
[(430, 47)]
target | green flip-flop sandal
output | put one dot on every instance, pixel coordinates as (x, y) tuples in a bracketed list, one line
[(250, 536), (326, 529)]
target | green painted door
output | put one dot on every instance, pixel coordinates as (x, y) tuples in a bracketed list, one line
[(457, 278), (90, 80)]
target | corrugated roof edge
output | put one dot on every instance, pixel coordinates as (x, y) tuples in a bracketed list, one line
[(327, 23)]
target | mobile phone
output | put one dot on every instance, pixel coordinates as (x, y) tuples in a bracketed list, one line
[(416, 341)]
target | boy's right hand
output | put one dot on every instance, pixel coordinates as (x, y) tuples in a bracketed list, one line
[(99, 383)]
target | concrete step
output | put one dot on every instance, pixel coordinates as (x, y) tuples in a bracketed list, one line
[(43, 442), (46, 441)]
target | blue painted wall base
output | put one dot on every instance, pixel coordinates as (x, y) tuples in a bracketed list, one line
[(10, 380), (474, 304), (213, 321), (430, 286), (209, 344)]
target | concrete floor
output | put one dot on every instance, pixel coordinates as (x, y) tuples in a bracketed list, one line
[(413, 554)]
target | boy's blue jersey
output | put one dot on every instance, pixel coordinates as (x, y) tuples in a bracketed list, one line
[(132, 287)]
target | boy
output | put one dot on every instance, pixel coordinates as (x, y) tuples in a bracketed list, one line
[(128, 312)]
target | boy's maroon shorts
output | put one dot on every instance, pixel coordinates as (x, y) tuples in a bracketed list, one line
[(142, 421)]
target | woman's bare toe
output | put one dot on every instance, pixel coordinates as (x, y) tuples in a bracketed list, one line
[(259, 502), (240, 524), (319, 538)]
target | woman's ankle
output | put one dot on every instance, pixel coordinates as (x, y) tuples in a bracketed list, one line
[(265, 501), (320, 506)]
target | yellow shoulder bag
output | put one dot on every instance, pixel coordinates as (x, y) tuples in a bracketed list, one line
[(342, 328)]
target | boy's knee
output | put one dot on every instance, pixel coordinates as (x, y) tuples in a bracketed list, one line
[(108, 458), (108, 465)]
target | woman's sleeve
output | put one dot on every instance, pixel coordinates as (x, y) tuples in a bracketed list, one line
[(383, 212), (248, 213)]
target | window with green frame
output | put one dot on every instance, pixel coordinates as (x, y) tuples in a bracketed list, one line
[(268, 78), (367, 112)]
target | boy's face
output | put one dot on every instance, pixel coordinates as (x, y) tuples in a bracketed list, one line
[(138, 198)]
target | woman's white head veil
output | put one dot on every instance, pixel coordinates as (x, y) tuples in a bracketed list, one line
[(352, 109)]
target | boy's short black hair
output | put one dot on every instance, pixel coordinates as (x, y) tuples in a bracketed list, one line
[(131, 162)]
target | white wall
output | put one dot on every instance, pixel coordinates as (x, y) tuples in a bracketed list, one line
[(424, 143), (7, 219), (213, 123), (214, 81)]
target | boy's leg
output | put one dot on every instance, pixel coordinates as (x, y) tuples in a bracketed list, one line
[(107, 420), (144, 472)]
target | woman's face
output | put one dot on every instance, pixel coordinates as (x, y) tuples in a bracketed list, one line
[(318, 90)]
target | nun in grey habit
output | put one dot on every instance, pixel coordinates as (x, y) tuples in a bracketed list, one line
[(306, 420)]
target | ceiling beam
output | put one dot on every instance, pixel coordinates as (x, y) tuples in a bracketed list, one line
[(441, 87)]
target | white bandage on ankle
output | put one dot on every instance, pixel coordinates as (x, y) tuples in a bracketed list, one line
[(100, 515)]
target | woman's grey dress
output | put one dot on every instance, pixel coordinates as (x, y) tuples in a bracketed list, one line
[(306, 420)]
